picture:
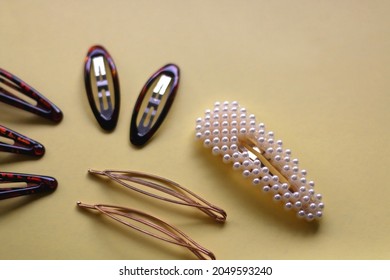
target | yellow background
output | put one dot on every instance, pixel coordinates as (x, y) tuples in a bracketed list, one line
[(315, 72)]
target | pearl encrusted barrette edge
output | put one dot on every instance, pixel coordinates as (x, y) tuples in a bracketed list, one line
[(235, 135)]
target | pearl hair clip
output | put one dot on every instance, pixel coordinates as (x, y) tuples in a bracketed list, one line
[(174, 192), (236, 136), (152, 226)]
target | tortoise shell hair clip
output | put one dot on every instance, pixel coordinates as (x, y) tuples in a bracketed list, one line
[(11, 86), (20, 144), (18, 184), (154, 102), (101, 79)]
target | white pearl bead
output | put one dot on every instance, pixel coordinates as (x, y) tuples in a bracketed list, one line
[(207, 142), (243, 130), (309, 216), (266, 189), (265, 170), (226, 158), (288, 206), (277, 197), (321, 205), (318, 196), (318, 214), (256, 171), (285, 186), (275, 187), (246, 173), (298, 204), (256, 181), (215, 150), (236, 165), (301, 214)]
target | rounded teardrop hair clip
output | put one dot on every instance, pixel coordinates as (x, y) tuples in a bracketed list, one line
[(234, 134), (151, 226), (102, 87), (153, 104)]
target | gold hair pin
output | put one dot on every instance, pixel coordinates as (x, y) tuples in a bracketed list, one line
[(162, 230), (236, 136), (176, 193)]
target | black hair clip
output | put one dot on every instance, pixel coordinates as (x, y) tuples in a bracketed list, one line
[(25, 184), (21, 144), (43, 106), (160, 91), (100, 84)]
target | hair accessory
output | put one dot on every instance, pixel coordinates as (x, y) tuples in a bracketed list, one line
[(100, 84), (169, 233), (154, 102), (25, 184), (176, 193), (234, 134), (21, 144), (42, 107)]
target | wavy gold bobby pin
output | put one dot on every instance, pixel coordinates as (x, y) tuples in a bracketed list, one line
[(233, 134), (183, 196), (168, 232)]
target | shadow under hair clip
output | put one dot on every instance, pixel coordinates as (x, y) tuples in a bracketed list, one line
[(229, 131), (151, 226), (18, 184), (11, 86), (20, 144), (174, 192)]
